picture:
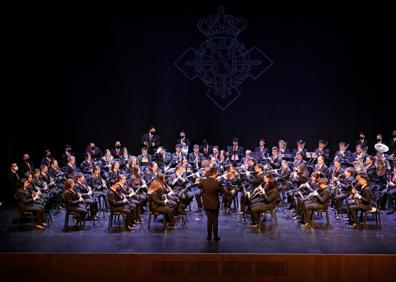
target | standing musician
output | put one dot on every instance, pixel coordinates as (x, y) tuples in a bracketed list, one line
[(211, 189), (118, 203), (150, 140), (205, 148), (95, 152), (362, 140), (261, 152), (268, 196), (317, 200), (74, 201), (116, 152), (87, 194), (159, 202), (362, 200)]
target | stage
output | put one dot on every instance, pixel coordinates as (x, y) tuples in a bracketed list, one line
[(236, 236)]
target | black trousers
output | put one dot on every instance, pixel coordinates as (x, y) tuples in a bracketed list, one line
[(213, 222)]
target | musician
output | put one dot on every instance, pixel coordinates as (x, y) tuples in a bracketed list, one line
[(87, 165), (114, 173), (235, 152), (57, 174), (133, 163), (322, 167), (231, 183), (392, 146), (195, 158), (283, 151), (253, 181), (269, 197), (144, 158), (275, 158), (343, 154), (116, 152), (344, 185), (36, 188), (151, 173), (98, 185), (205, 148), (379, 139), (45, 177), (299, 159), (95, 152), (26, 204), (150, 140), (370, 169), (187, 166), (180, 186), (13, 178), (68, 152), (285, 170), (177, 156), (261, 151), (300, 149), (118, 203), (106, 162), (389, 192), (47, 157), (213, 163), (362, 200), (129, 193), (362, 140), (25, 166), (359, 155), (159, 203), (70, 168), (183, 140), (87, 194), (223, 161), (124, 159), (248, 156), (215, 153), (299, 175), (211, 189), (297, 196), (74, 202), (139, 186), (323, 151), (319, 200)]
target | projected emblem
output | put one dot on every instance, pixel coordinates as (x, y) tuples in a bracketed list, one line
[(221, 62)]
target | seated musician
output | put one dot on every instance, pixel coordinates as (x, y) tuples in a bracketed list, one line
[(195, 157), (231, 183), (87, 194), (74, 202), (180, 186), (151, 173), (302, 192), (299, 179), (362, 200), (139, 186), (275, 158), (299, 159), (114, 172), (144, 158), (70, 169), (105, 162), (300, 149), (117, 151), (215, 153), (133, 163), (26, 204), (98, 185), (253, 181), (389, 192), (343, 154), (177, 156), (344, 185), (95, 152), (87, 165), (268, 196), (359, 157), (160, 203), (322, 167), (260, 152), (47, 158), (160, 158), (118, 203), (223, 161), (283, 151), (323, 151), (124, 159), (317, 200), (129, 194)]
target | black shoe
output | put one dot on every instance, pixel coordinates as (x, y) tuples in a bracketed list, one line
[(354, 225), (216, 238), (209, 238)]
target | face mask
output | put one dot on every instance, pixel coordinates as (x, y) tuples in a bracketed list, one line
[(118, 146), (378, 139), (92, 147), (361, 137)]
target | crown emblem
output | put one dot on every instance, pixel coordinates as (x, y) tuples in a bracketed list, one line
[(221, 25)]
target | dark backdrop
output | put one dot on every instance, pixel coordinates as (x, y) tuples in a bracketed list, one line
[(100, 72)]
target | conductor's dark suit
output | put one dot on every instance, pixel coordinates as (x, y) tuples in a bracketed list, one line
[(211, 188)]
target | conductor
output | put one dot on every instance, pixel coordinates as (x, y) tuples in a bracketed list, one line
[(211, 189)]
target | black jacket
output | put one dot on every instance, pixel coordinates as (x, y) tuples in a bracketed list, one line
[(211, 189)]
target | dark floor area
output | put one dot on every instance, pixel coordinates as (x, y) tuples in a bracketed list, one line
[(236, 237)]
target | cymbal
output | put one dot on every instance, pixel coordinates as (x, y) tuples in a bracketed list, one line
[(381, 148)]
